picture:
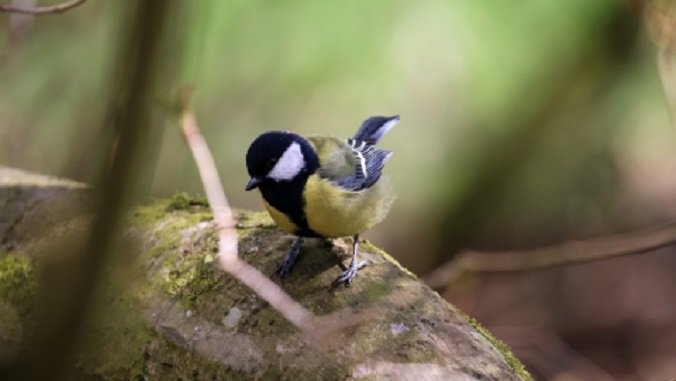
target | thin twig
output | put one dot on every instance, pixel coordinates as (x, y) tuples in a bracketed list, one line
[(46, 10), (210, 178), (568, 253), (229, 261)]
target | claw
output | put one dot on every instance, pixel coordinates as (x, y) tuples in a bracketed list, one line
[(348, 275), (289, 260), (351, 272)]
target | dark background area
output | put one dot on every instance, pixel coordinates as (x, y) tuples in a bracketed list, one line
[(523, 125)]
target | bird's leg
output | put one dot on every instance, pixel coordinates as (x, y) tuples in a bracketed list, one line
[(348, 275), (289, 261)]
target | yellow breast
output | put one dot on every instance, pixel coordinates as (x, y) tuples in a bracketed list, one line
[(280, 219), (335, 212)]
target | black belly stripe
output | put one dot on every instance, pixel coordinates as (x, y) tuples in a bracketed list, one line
[(287, 197)]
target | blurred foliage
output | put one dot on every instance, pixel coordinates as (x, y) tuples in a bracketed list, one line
[(467, 77), (522, 124)]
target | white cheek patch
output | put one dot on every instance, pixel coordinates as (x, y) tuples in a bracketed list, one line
[(289, 165)]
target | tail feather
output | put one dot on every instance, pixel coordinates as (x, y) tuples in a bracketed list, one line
[(375, 127)]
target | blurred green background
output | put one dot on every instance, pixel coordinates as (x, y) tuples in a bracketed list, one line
[(523, 124)]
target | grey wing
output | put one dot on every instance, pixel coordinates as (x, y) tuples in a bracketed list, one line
[(369, 163)]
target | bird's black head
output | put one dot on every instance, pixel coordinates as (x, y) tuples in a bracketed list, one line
[(279, 156)]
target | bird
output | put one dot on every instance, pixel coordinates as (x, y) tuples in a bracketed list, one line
[(323, 186)]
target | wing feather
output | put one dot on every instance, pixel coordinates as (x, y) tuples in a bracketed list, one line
[(369, 163), (354, 164)]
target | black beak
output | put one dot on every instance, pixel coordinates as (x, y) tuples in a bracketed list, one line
[(253, 183)]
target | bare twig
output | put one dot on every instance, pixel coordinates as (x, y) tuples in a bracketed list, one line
[(210, 178), (230, 262), (572, 252), (47, 10)]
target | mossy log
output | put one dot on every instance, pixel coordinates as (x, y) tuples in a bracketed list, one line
[(172, 314)]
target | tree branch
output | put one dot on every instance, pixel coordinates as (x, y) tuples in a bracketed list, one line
[(572, 252), (46, 10), (227, 248)]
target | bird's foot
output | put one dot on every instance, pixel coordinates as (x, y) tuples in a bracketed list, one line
[(285, 267), (289, 261), (348, 275)]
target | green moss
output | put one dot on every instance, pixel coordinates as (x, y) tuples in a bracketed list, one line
[(148, 214), (18, 283), (376, 291), (190, 279), (249, 220), (189, 272), (182, 201), (192, 271), (506, 352)]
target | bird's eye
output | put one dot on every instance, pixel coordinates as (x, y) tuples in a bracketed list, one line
[(270, 163)]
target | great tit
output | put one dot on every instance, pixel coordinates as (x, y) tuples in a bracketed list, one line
[(323, 186)]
